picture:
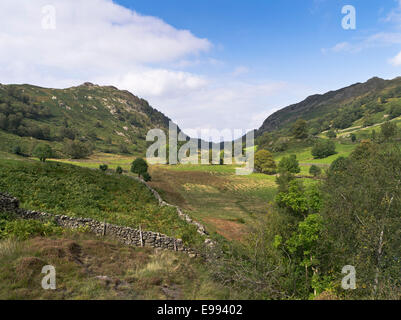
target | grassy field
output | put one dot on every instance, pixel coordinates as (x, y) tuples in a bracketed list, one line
[(227, 204), (91, 268), (70, 190)]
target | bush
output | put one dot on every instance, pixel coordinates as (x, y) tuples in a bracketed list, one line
[(17, 150), (264, 162), (323, 149), (139, 166), (331, 134), (43, 152), (119, 170), (315, 171), (77, 150), (289, 164), (104, 167)]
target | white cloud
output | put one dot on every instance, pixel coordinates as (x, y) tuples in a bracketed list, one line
[(396, 61), (102, 42)]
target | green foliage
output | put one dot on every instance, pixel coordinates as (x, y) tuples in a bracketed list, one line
[(388, 130), (323, 149), (361, 214), (299, 201), (103, 167), (289, 164), (265, 163), (139, 166), (331, 134), (315, 171), (43, 152), (24, 229), (146, 177), (300, 129), (80, 192), (119, 170), (353, 137), (77, 149), (17, 150)]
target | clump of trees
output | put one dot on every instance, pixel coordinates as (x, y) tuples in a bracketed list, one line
[(264, 162), (323, 149)]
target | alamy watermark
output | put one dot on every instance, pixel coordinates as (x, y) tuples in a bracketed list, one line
[(49, 280), (349, 20), (196, 148), (349, 281), (48, 17)]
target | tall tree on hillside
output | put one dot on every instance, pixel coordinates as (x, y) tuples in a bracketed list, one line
[(264, 162), (300, 129)]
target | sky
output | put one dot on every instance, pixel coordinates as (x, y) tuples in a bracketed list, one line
[(217, 64)]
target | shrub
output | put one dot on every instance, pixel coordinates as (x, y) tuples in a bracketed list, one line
[(331, 134), (323, 149), (388, 130), (77, 150), (289, 164), (264, 162), (104, 167), (315, 171), (43, 152), (17, 150), (139, 166), (119, 170), (353, 137)]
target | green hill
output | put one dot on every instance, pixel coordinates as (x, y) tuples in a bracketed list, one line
[(360, 104), (103, 117)]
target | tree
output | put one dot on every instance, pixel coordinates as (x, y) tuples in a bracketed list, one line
[(119, 170), (264, 162), (77, 149), (353, 137), (315, 171), (139, 166), (331, 134), (388, 130), (300, 129), (289, 164), (104, 167), (361, 215), (323, 149), (43, 152), (17, 150)]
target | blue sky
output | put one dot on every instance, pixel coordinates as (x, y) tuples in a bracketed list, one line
[(222, 64), (283, 40)]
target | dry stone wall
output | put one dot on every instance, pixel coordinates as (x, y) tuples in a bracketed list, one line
[(125, 235)]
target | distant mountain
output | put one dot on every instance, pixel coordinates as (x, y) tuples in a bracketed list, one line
[(103, 116), (369, 101)]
